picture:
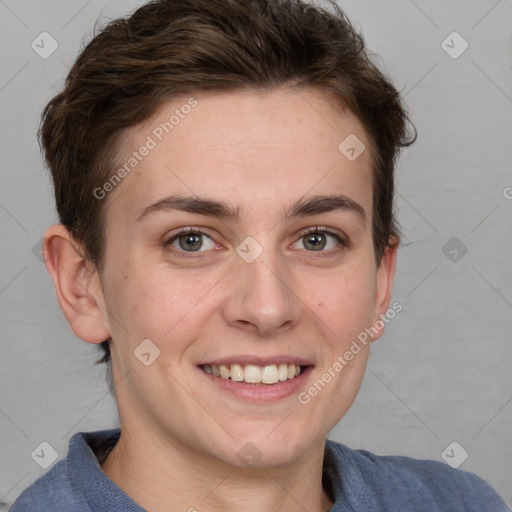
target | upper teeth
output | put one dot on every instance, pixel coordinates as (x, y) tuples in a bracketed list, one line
[(269, 374)]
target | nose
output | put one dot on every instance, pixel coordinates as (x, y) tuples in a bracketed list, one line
[(261, 298)]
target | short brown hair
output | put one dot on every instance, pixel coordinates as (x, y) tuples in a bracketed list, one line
[(171, 47)]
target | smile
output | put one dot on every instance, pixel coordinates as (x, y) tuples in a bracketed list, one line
[(254, 374)]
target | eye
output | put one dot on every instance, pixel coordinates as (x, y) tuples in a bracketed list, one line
[(191, 240), (320, 239)]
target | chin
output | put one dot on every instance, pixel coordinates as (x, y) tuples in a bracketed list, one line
[(263, 450)]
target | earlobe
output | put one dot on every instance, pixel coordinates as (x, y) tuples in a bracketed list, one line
[(78, 287), (385, 279)]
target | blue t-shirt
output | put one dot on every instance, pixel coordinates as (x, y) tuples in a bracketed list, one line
[(357, 481)]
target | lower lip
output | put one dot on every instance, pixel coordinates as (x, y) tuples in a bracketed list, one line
[(261, 392)]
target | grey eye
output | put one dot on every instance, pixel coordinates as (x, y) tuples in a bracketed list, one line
[(320, 241), (192, 242), (315, 241)]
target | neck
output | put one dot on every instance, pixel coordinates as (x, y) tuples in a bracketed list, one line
[(168, 478)]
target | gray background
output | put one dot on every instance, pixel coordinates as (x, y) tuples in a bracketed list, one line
[(441, 373)]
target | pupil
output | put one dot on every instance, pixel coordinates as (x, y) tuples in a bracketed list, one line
[(315, 241), (190, 242)]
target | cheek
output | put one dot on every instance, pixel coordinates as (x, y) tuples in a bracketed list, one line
[(345, 302), (158, 305)]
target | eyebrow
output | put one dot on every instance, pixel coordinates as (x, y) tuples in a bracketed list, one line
[(305, 206), (323, 204)]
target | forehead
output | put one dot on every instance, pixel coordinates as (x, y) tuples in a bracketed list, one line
[(244, 147)]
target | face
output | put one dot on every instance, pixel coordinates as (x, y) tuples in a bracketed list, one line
[(241, 244)]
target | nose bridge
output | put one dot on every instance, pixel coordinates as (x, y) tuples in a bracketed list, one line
[(262, 297), (266, 281)]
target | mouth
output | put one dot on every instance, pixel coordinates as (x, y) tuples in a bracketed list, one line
[(257, 379), (268, 374)]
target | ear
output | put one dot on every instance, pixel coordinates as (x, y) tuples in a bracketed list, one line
[(385, 278), (77, 284)]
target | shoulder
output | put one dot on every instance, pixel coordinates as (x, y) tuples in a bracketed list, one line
[(52, 491), (73, 481), (402, 482)]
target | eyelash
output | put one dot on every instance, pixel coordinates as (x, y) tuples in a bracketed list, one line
[(343, 241)]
